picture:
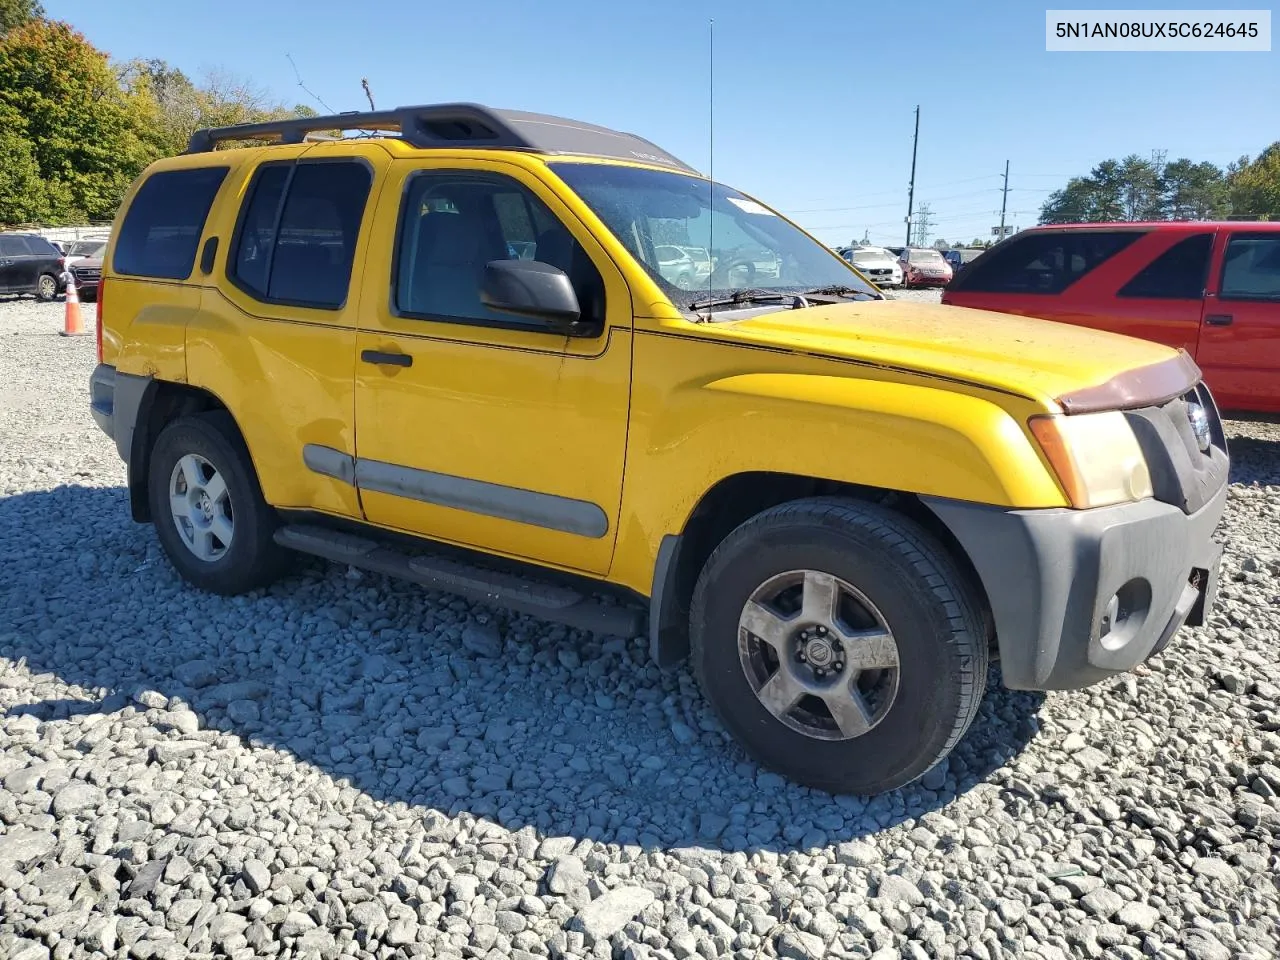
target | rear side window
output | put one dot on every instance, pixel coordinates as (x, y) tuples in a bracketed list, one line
[(1177, 274), (298, 231), (39, 246), (12, 247), (162, 228), (1043, 263), (1251, 267)]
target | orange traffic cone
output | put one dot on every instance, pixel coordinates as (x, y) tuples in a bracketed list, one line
[(73, 325)]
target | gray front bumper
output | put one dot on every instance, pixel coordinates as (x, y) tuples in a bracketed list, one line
[(1051, 576)]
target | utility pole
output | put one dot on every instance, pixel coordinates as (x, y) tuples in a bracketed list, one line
[(1004, 201), (911, 190)]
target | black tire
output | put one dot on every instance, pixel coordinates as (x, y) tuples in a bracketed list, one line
[(253, 559), (923, 599), (46, 287)]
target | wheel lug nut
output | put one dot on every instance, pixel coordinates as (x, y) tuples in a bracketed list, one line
[(839, 665), (800, 656)]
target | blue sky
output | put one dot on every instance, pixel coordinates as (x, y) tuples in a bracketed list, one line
[(814, 100)]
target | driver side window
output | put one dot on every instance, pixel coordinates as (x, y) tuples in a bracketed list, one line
[(454, 223)]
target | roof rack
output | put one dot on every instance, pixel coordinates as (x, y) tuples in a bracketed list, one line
[(456, 125)]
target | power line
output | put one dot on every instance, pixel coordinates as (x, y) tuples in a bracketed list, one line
[(980, 211), (873, 206), (973, 217), (894, 191)]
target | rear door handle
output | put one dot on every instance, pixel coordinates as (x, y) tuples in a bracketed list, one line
[(387, 359), (1219, 319)]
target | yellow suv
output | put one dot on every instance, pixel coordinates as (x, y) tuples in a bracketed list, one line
[(444, 346)]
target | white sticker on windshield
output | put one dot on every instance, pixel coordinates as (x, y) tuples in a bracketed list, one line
[(750, 206)]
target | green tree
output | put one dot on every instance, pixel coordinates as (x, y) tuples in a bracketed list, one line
[(23, 198), (1140, 189), (1106, 201), (180, 106), (1255, 187), (89, 137), (1138, 182), (15, 13), (1071, 204), (1194, 191)]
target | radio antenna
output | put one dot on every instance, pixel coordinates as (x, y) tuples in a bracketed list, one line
[(711, 147)]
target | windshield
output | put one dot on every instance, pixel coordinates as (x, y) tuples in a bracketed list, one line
[(924, 255), (90, 248), (871, 253), (701, 240)]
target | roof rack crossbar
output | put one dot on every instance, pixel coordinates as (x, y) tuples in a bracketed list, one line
[(454, 125), (425, 126)]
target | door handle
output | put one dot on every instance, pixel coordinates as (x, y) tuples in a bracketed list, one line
[(386, 359), (1219, 319)]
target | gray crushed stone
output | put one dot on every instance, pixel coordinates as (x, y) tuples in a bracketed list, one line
[(344, 766)]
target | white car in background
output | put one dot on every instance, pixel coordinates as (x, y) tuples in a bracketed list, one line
[(876, 264)]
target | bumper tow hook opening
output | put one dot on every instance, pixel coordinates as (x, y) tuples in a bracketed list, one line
[(1125, 613)]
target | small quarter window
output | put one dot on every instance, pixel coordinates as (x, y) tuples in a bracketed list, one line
[(1177, 274), (162, 227), (1045, 263)]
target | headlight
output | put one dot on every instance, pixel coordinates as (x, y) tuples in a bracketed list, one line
[(1096, 457)]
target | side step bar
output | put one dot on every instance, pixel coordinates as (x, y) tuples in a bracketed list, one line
[(523, 595)]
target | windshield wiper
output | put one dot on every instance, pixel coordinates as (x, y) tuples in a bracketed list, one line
[(837, 290), (738, 297)]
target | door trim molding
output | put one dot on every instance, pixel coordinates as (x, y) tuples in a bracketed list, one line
[(546, 510)]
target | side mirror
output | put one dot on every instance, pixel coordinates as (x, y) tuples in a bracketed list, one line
[(530, 288)]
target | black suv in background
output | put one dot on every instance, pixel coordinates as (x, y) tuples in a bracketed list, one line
[(30, 264)]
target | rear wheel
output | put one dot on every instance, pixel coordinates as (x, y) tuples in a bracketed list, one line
[(839, 644), (208, 508), (46, 287)]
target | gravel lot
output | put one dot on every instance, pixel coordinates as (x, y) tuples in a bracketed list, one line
[(347, 766)]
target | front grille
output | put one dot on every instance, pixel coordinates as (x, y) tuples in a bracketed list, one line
[(1182, 473)]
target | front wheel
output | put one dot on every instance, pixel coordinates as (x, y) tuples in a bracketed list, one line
[(839, 644), (208, 508)]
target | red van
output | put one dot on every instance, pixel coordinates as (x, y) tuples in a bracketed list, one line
[(1210, 288)]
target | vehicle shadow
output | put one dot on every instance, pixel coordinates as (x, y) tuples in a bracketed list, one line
[(1254, 460), (392, 689)]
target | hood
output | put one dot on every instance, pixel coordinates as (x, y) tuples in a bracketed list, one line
[(874, 262), (1053, 363)]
